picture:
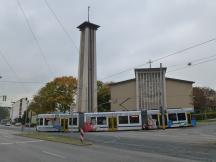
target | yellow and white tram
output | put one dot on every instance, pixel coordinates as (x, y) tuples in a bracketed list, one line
[(57, 122), (114, 121)]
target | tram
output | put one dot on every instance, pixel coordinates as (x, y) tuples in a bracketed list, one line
[(180, 117), (114, 121), (57, 122)]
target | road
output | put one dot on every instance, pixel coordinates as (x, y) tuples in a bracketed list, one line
[(188, 144)]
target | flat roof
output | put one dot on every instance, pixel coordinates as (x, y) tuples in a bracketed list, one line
[(149, 69), (124, 81), (180, 80), (88, 24), (134, 79)]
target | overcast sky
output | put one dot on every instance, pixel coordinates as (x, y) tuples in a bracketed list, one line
[(131, 33)]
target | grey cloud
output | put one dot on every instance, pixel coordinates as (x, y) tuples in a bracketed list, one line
[(131, 33)]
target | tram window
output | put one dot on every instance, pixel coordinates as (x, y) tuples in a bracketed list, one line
[(70, 121), (181, 116), (123, 119), (48, 121), (74, 121), (172, 117), (155, 116), (101, 121), (41, 121), (93, 120), (134, 119)]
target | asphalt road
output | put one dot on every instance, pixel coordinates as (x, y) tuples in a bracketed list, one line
[(188, 144), (198, 143)]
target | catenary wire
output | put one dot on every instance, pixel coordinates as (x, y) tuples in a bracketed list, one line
[(193, 61), (163, 57), (34, 37), (8, 64), (192, 65), (60, 23)]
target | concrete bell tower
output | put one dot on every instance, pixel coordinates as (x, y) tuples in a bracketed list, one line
[(87, 81)]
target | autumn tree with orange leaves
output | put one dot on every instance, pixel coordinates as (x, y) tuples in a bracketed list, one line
[(56, 95)]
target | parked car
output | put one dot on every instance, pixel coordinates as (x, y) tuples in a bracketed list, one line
[(18, 124), (7, 124)]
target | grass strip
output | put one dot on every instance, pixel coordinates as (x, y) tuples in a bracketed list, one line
[(205, 122), (54, 138)]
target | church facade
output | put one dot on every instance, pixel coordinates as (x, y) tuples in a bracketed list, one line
[(144, 92)]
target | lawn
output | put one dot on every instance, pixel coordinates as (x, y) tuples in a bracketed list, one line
[(54, 138)]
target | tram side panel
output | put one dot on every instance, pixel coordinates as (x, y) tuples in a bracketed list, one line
[(74, 122), (48, 123), (129, 121), (173, 117), (178, 118), (112, 121), (96, 121)]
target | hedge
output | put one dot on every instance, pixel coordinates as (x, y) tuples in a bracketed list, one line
[(201, 116)]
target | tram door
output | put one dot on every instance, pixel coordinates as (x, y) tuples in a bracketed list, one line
[(112, 122), (64, 124), (189, 118), (156, 117), (165, 119)]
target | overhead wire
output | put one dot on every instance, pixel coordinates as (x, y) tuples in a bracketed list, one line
[(192, 61), (8, 64), (163, 57), (10, 67), (20, 82), (34, 37), (60, 23), (189, 66), (65, 31), (185, 49), (26, 82)]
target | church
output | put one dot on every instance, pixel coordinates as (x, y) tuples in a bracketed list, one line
[(150, 90)]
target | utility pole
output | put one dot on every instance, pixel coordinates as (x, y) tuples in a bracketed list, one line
[(150, 62), (26, 116), (88, 12), (162, 96), (72, 113)]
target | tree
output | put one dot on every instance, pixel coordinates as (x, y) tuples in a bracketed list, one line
[(25, 119), (104, 97), (200, 99), (57, 95), (18, 120), (4, 113), (204, 98)]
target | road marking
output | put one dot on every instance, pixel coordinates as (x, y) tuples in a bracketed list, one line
[(53, 154), (112, 141), (6, 143), (28, 142), (22, 142)]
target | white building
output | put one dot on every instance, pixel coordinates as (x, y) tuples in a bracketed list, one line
[(18, 108)]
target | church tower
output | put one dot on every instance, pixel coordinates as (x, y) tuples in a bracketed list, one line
[(87, 79)]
